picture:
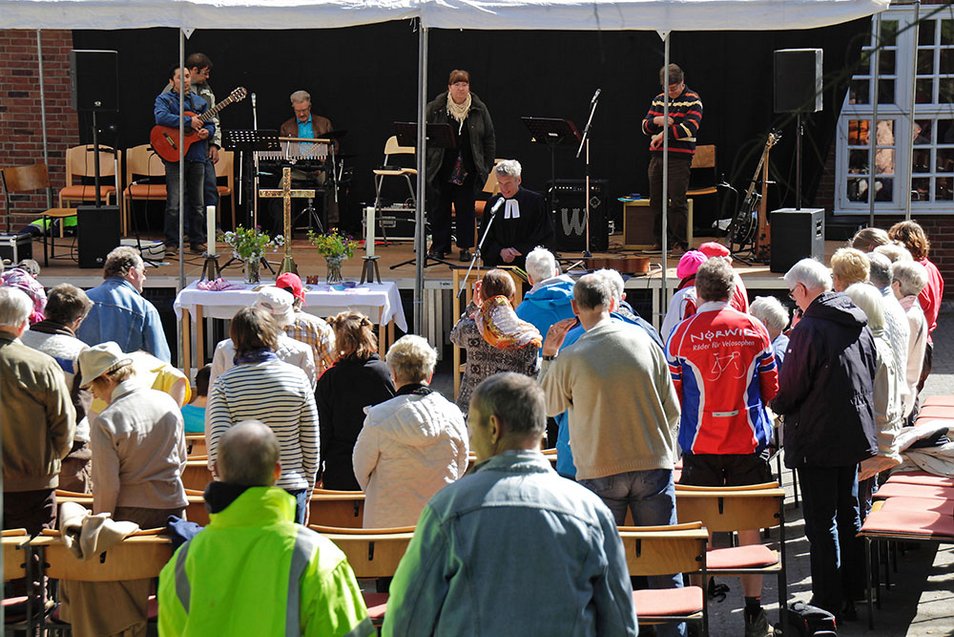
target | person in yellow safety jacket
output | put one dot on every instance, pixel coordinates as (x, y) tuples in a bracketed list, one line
[(252, 570)]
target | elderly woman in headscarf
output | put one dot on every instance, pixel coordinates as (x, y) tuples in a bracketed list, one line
[(493, 337), (24, 276), (456, 174)]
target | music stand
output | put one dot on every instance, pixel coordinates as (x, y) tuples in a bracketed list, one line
[(438, 135), (247, 142), (552, 132)]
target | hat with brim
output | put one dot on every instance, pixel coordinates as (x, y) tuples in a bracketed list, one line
[(279, 303), (291, 282), (98, 360)]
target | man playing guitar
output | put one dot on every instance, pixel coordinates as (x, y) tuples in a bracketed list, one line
[(166, 113)]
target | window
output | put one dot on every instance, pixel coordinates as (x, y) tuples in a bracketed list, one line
[(929, 172)]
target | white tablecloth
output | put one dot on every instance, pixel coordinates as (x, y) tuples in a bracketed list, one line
[(381, 302)]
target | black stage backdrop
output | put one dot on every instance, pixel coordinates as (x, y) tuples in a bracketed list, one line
[(365, 78)]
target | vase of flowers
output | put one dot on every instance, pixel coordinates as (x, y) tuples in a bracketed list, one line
[(335, 248), (249, 246)]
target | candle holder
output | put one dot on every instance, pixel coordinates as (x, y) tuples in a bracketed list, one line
[(370, 272), (210, 268)]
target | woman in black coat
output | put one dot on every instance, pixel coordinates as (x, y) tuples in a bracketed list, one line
[(454, 175), (357, 380)]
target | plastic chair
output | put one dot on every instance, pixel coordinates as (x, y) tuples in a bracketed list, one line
[(81, 170), (661, 550), (19, 180)]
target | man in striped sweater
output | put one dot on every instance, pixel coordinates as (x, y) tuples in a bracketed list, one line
[(685, 117), (261, 387)]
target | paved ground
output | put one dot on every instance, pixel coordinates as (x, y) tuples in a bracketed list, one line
[(921, 600)]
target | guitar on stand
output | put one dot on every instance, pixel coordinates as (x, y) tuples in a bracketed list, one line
[(763, 238), (744, 228), (164, 139)]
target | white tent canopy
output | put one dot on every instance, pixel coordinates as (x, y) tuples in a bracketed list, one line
[(655, 15)]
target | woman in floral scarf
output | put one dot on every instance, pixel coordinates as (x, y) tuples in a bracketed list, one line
[(492, 336)]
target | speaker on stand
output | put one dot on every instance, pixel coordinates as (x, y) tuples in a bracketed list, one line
[(798, 89)]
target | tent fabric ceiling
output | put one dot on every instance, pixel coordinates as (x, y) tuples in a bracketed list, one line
[(657, 15)]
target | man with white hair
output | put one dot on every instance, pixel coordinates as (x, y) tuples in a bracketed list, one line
[(37, 418), (518, 220), (774, 317), (548, 301), (281, 305), (908, 278), (120, 313), (826, 395)]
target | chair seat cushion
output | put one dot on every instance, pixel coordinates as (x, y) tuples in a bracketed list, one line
[(921, 477), (943, 401), (668, 602), (85, 192), (905, 523), (753, 556), (377, 604), (901, 490), (146, 191)]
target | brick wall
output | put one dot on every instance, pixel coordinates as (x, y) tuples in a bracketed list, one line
[(21, 135)]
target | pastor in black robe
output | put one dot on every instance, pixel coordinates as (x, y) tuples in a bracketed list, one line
[(521, 222)]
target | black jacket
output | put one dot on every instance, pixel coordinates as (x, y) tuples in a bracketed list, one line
[(483, 144), (342, 394), (533, 228), (826, 388)]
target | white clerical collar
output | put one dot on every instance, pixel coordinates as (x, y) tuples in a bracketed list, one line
[(512, 209)]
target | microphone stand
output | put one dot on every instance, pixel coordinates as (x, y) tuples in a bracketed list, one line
[(480, 245), (585, 142)]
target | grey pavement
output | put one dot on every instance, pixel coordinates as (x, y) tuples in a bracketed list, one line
[(920, 602)]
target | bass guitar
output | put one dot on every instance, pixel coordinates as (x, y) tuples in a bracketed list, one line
[(165, 139), (746, 222)]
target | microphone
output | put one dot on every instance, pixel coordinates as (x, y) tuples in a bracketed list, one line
[(253, 100), (496, 206), (596, 96)]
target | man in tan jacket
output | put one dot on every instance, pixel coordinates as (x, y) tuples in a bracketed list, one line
[(37, 417)]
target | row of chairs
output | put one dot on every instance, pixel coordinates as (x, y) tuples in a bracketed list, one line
[(911, 506), (141, 181)]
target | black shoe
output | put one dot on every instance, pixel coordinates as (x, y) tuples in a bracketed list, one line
[(172, 247), (197, 248), (848, 613), (465, 255), (434, 253)]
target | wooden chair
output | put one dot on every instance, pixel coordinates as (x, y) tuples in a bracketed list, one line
[(225, 169), (372, 553), (337, 508), (195, 444), (195, 510), (140, 556), (703, 177), (81, 170), (196, 474), (393, 149), (661, 550), (730, 509), (18, 181), (143, 163)]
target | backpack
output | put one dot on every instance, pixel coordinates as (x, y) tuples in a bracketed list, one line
[(804, 620)]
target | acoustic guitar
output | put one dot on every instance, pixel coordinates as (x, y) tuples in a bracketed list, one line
[(165, 139)]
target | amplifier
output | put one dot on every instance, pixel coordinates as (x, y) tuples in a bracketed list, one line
[(97, 234), (796, 234), (395, 223), (16, 247), (568, 207)]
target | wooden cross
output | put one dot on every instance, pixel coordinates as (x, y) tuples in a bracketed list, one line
[(287, 194)]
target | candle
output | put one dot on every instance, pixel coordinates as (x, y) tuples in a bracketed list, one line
[(369, 231), (210, 231)]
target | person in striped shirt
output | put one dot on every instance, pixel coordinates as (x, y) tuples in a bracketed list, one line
[(723, 368), (261, 387), (685, 117)]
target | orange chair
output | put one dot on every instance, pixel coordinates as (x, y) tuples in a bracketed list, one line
[(142, 162), (225, 169), (80, 164)]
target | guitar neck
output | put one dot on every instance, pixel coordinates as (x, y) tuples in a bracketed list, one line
[(212, 112)]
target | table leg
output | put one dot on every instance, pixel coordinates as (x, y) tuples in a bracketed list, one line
[(382, 335), (391, 333), (186, 327), (199, 337)]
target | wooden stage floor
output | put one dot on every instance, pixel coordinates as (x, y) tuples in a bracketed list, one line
[(66, 268)]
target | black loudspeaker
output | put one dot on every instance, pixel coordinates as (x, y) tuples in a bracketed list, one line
[(796, 235), (798, 80), (95, 80), (97, 234), (568, 207)]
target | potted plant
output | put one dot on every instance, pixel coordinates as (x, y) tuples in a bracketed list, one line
[(335, 248), (249, 245)]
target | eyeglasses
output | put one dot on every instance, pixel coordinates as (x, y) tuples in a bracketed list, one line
[(791, 293)]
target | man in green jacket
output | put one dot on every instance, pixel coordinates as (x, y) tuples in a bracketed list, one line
[(37, 418), (253, 571)]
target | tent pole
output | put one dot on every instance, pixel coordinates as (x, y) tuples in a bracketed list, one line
[(420, 155), (914, 91), (664, 240), (46, 148), (182, 211), (874, 98)]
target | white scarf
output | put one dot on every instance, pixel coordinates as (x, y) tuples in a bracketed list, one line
[(458, 111)]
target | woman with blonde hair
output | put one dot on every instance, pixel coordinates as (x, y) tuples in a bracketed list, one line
[(494, 338), (359, 379)]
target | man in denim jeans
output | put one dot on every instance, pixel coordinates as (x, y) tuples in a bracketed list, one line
[(623, 411)]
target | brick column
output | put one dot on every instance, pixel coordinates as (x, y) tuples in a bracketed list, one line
[(21, 133)]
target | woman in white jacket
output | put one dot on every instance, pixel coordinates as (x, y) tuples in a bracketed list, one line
[(412, 445)]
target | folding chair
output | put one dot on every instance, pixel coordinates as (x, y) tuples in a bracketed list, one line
[(661, 550), (337, 508), (372, 553), (731, 509)]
